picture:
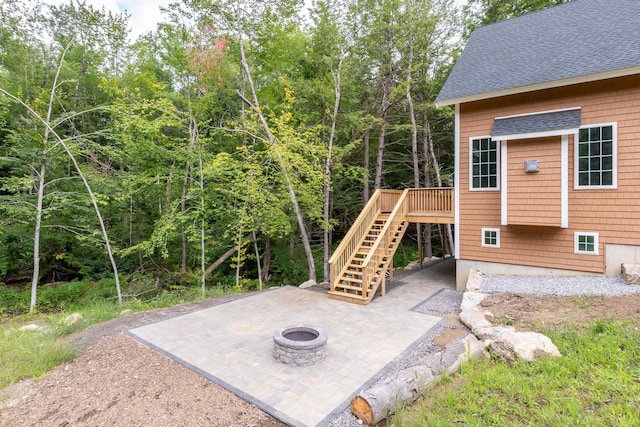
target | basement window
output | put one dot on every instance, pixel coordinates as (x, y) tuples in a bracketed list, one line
[(586, 243), (491, 237)]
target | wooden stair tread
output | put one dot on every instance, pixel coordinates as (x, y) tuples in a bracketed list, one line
[(357, 299), (349, 287)]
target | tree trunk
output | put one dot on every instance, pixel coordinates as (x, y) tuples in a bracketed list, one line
[(426, 180), (379, 158), (41, 182), (381, 400), (255, 246), (36, 238), (414, 126), (436, 166), (266, 260), (183, 210), (255, 106), (217, 263), (337, 81), (365, 166), (203, 253)]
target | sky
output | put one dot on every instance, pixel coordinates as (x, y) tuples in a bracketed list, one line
[(144, 14)]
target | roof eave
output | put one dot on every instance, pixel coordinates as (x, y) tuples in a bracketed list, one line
[(541, 86)]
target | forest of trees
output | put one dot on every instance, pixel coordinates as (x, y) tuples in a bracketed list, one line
[(233, 145)]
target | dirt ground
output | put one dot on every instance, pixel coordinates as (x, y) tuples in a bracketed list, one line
[(119, 382), (527, 312)]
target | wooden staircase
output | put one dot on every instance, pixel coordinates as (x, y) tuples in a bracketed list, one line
[(361, 261), (352, 285)]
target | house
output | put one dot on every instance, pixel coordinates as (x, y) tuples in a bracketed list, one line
[(547, 141)]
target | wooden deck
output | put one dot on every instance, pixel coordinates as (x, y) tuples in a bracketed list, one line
[(359, 264)]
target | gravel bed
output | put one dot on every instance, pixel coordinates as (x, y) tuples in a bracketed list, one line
[(443, 302), (415, 356), (449, 302), (559, 285)]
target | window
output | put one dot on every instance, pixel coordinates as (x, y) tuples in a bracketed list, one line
[(491, 237), (596, 157), (484, 163), (586, 243)]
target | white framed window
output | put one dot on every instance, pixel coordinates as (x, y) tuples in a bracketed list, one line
[(491, 237), (484, 163), (586, 243), (596, 158)]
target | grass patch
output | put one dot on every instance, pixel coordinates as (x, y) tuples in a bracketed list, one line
[(31, 354), (595, 383)]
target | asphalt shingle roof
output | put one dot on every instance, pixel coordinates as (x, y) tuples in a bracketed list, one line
[(575, 39), (532, 123)]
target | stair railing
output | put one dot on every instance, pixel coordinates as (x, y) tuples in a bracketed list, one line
[(380, 247), (351, 241), (380, 201)]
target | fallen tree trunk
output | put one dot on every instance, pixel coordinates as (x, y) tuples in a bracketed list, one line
[(222, 259), (377, 403)]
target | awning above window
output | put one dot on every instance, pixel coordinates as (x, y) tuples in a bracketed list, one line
[(536, 125)]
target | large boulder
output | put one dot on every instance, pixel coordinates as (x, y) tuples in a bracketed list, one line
[(503, 341), (474, 281), (631, 273), (527, 346), (307, 284), (72, 319), (471, 300)]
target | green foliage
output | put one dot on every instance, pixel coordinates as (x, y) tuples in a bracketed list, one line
[(288, 266), (406, 253), (595, 382), (172, 151)]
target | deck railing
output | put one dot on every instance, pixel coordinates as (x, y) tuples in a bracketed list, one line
[(430, 200)]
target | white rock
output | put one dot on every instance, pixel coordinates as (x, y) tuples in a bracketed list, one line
[(471, 300), (126, 312), (473, 348), (30, 327), (474, 282), (527, 346), (631, 273), (72, 319), (496, 332), (474, 320), (308, 284)]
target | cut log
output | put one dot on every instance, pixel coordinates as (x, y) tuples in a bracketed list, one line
[(381, 400)]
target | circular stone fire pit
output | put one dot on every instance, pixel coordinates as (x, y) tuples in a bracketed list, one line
[(299, 345)]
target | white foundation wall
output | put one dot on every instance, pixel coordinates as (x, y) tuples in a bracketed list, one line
[(615, 256), (463, 266)]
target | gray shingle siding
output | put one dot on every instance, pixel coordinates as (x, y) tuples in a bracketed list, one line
[(575, 39), (532, 123)]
